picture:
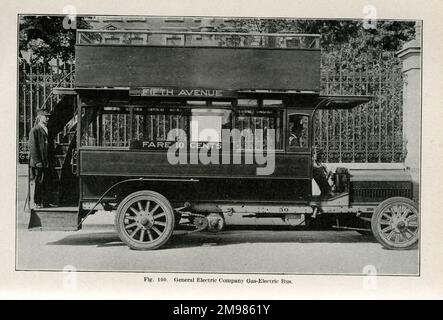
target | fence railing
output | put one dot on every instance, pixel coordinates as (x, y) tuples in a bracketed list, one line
[(369, 133), (34, 92)]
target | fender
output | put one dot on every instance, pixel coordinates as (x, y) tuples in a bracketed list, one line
[(141, 179)]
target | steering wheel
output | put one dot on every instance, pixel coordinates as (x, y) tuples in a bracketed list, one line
[(293, 138)]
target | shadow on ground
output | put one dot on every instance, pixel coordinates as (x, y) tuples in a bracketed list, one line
[(99, 239), (181, 239)]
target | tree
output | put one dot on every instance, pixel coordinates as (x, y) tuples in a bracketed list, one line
[(386, 35), (46, 37), (343, 42)]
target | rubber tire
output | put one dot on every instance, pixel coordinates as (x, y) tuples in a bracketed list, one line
[(379, 210), (170, 221)]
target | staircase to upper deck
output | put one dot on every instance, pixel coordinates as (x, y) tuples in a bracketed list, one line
[(64, 185), (62, 130)]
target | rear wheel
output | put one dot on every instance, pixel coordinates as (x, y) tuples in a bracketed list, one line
[(395, 223), (145, 220)]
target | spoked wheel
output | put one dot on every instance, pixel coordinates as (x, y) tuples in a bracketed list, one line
[(395, 223), (144, 220)]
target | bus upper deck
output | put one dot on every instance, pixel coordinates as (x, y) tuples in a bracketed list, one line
[(198, 39), (226, 61)]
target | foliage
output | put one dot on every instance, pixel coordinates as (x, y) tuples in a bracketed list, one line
[(386, 35), (47, 38), (347, 41)]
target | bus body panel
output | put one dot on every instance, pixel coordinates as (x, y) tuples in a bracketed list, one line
[(239, 189), (190, 67), (99, 170), (156, 164)]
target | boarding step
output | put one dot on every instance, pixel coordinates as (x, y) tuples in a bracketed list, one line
[(54, 219), (60, 158), (64, 147)]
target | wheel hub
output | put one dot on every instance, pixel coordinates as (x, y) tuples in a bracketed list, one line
[(401, 225), (398, 223), (146, 220)]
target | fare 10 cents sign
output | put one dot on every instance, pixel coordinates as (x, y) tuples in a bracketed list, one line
[(181, 92)]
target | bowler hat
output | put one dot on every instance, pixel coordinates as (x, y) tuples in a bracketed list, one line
[(43, 112)]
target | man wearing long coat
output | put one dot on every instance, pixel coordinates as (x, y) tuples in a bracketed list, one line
[(39, 163)]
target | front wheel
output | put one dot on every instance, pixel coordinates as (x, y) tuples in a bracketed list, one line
[(395, 223), (145, 220)]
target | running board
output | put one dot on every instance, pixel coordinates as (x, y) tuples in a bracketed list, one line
[(54, 219)]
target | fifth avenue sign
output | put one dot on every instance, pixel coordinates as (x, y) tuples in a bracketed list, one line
[(180, 92)]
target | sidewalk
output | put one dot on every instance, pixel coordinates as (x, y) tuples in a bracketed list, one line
[(99, 219)]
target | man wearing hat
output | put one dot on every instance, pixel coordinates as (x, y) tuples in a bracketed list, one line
[(40, 173)]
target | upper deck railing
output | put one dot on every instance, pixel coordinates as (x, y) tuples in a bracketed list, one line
[(198, 39)]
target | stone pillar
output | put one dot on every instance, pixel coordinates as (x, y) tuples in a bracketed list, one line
[(410, 55)]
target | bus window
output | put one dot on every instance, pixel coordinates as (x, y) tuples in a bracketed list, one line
[(298, 131), (258, 122), (155, 124), (207, 124), (117, 126), (105, 126)]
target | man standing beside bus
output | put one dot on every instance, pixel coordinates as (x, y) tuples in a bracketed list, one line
[(40, 173)]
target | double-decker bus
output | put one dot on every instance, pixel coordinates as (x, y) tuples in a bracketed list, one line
[(204, 131)]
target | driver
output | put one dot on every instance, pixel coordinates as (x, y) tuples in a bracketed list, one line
[(295, 131), (321, 174)]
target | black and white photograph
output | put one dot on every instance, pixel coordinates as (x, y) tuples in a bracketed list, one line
[(218, 145)]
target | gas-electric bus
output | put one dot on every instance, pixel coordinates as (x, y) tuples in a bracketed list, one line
[(145, 126)]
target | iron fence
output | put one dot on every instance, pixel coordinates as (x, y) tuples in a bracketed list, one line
[(372, 132), (34, 91)]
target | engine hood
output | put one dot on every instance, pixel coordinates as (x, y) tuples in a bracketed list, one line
[(380, 175)]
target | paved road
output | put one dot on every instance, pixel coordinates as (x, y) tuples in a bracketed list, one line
[(97, 247)]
